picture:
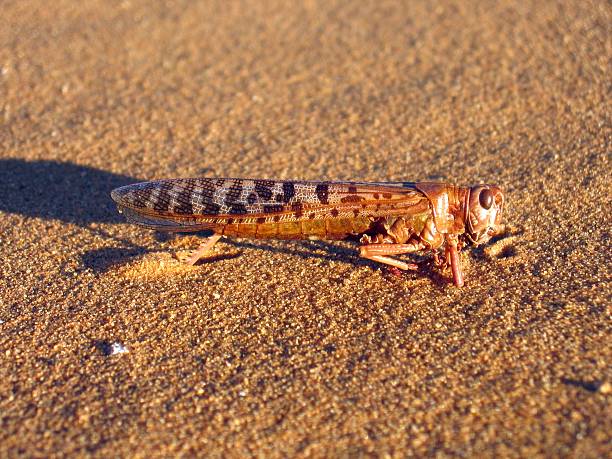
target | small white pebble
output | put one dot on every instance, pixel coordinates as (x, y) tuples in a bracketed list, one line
[(118, 348), (216, 296), (242, 393)]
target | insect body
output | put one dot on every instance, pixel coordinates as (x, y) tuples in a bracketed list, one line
[(390, 218)]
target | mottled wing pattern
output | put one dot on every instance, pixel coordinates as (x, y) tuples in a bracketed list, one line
[(199, 203)]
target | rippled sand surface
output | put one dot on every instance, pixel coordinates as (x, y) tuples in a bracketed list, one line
[(110, 347)]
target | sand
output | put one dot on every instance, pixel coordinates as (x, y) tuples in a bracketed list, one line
[(109, 347)]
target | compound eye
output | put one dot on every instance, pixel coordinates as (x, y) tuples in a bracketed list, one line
[(486, 199)]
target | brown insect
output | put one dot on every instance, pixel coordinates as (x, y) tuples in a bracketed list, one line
[(389, 218)]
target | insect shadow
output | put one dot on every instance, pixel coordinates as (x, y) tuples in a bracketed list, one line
[(322, 250), (57, 190), (335, 251), (101, 260)]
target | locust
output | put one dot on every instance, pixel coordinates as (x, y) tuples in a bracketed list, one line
[(386, 218)]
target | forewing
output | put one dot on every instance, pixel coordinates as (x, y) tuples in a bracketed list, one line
[(206, 202)]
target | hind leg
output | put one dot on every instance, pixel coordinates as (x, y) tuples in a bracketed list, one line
[(203, 249)]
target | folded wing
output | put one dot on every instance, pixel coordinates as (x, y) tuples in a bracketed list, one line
[(200, 203)]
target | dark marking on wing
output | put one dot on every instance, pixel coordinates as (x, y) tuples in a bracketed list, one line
[(212, 208), (288, 191), (208, 191), (233, 192), (298, 209), (238, 208), (264, 189), (322, 191), (184, 201), (140, 200), (162, 203), (272, 208), (352, 198)]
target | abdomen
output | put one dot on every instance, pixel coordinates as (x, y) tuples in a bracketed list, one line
[(334, 229)]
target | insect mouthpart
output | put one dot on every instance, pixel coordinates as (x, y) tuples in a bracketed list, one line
[(477, 238)]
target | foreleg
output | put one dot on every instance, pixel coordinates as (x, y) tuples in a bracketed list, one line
[(452, 255)]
